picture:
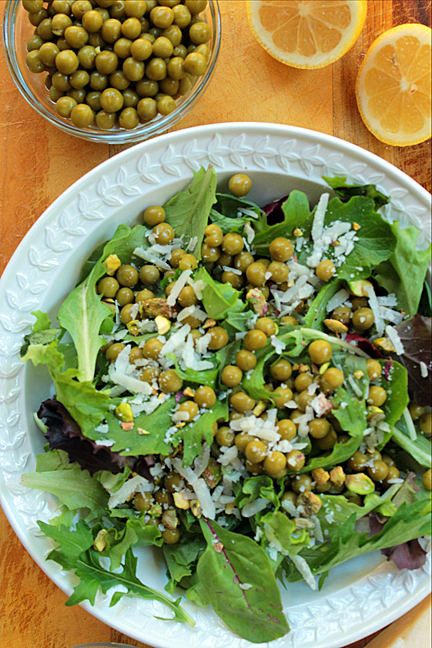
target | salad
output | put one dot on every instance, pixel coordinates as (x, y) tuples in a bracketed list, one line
[(246, 388)]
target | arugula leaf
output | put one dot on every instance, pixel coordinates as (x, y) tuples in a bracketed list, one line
[(181, 559), (296, 211), (134, 533), (91, 261), (231, 560), (74, 487), (80, 556), (207, 377), (337, 509), (397, 392), (193, 434), (188, 211), (218, 299), (346, 191), (71, 543), (350, 410), (232, 214), (405, 271)]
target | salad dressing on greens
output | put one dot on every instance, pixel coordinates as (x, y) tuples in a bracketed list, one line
[(248, 389)]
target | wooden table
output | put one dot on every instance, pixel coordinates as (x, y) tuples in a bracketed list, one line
[(38, 163)]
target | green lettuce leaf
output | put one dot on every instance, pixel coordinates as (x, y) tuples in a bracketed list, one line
[(41, 332), (231, 560), (281, 533), (405, 271), (296, 211), (218, 299), (188, 211), (194, 433), (375, 239), (256, 487), (83, 313), (75, 488), (346, 191), (408, 523)]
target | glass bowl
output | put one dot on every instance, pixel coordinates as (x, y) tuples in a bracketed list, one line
[(17, 30)]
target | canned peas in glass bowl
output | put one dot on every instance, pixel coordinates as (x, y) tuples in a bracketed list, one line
[(112, 71)]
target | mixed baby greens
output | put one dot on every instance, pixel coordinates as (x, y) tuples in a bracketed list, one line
[(245, 388)]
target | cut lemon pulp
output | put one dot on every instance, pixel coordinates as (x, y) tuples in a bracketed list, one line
[(394, 86), (307, 33)]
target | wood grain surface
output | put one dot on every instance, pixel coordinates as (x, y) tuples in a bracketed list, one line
[(38, 162)]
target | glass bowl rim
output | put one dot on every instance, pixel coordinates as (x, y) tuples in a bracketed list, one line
[(143, 132)]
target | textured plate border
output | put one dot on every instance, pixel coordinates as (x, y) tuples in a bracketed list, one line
[(63, 235)]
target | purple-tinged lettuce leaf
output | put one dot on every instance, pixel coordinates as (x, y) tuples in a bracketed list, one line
[(64, 433), (365, 345), (409, 555), (415, 335)]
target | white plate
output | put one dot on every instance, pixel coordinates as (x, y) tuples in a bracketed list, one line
[(359, 597)]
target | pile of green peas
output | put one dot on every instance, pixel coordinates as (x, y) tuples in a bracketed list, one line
[(117, 63)]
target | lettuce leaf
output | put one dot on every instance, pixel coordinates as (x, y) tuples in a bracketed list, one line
[(405, 270), (415, 335), (74, 487), (346, 191), (238, 579), (256, 487), (194, 433), (188, 211), (218, 299), (374, 244), (83, 314), (296, 212), (282, 533), (408, 523)]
